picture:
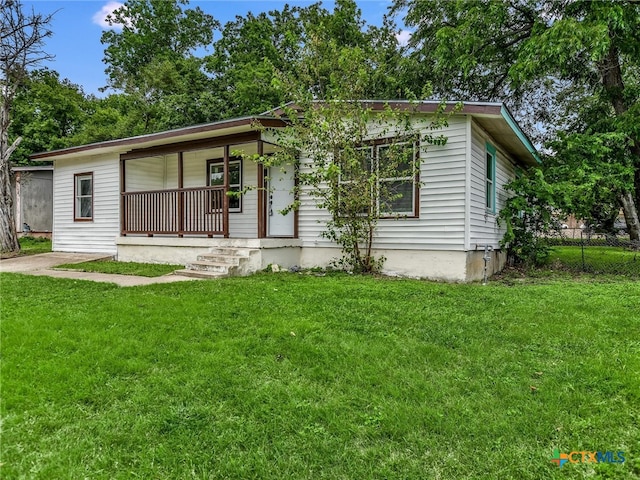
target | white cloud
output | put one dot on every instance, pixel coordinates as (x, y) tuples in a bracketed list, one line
[(100, 17), (403, 37)]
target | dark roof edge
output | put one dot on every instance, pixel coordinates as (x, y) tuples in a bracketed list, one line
[(423, 106), (31, 168), (265, 120)]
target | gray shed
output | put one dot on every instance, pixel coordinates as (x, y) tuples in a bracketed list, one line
[(33, 199)]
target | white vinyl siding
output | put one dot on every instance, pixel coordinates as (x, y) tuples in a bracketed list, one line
[(145, 174), (484, 228), (440, 225), (99, 234)]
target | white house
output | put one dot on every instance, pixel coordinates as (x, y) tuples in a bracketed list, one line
[(161, 198)]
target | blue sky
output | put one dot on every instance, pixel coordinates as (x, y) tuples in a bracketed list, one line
[(77, 28)]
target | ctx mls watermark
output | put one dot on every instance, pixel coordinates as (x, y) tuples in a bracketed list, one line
[(584, 456)]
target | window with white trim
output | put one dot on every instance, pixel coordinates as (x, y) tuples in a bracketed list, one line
[(216, 178), (490, 178), (83, 197)]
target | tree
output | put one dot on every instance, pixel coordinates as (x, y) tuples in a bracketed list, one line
[(261, 59), (151, 30), (557, 59), (344, 171), (48, 112), (590, 190), (22, 37), (327, 34), (347, 173), (530, 215), (252, 51), (153, 60), (324, 62), (109, 118)]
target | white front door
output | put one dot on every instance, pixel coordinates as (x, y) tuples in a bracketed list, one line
[(280, 196)]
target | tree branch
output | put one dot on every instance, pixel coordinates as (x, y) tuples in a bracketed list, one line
[(7, 155)]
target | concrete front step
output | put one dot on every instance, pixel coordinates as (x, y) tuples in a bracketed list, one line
[(207, 266), (220, 258), (200, 274), (219, 262), (233, 251)]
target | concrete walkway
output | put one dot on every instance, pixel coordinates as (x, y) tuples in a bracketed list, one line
[(43, 263)]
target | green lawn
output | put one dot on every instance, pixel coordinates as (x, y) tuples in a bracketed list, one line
[(34, 245), (122, 268), (300, 376), (597, 259)]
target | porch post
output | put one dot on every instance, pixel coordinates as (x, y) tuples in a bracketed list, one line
[(225, 211), (262, 225), (180, 194), (123, 189), (18, 202), (296, 197)]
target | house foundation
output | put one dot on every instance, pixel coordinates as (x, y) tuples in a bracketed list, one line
[(174, 250), (444, 265)]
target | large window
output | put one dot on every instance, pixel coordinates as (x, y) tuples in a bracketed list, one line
[(216, 178), (83, 195), (394, 164), (490, 177)]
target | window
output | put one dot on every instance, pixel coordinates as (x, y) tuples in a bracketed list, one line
[(355, 170), (490, 179), (216, 178), (83, 194), (395, 192)]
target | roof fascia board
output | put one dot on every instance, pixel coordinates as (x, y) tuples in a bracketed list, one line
[(32, 168), (123, 144), (506, 115), (192, 145), (423, 106)]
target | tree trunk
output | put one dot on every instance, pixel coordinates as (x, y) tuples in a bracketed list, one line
[(635, 151), (8, 235), (613, 83), (22, 39), (630, 215)]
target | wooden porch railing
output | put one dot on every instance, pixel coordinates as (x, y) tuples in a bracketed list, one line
[(177, 211)]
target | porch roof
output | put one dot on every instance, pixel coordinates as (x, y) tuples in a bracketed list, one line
[(197, 132)]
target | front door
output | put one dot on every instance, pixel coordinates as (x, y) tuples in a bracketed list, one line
[(280, 196)]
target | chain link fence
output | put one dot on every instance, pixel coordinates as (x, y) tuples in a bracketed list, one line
[(582, 250)]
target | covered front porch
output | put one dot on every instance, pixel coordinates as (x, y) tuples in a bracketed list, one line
[(206, 188)]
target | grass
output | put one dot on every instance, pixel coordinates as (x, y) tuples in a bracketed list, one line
[(34, 245), (597, 259), (122, 268), (298, 376)]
